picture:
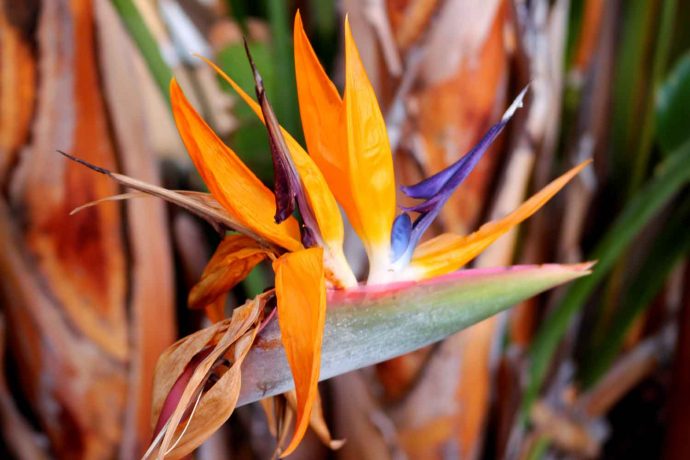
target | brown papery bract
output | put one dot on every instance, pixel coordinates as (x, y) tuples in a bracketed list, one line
[(234, 258), (187, 413)]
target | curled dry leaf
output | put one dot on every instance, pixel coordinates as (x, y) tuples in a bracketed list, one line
[(188, 406), (279, 416), (234, 258), (280, 412), (316, 421)]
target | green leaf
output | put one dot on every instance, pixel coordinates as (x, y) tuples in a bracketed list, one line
[(323, 31), (539, 449), (284, 100), (673, 107), (671, 176), (367, 325), (325, 17), (633, 90), (146, 43), (659, 63), (233, 60), (669, 248)]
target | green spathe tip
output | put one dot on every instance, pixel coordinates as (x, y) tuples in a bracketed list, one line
[(368, 325)]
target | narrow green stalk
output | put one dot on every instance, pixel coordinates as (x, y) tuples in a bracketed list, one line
[(661, 54), (148, 47), (539, 449), (629, 90)]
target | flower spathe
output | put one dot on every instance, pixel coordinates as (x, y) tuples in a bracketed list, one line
[(349, 162)]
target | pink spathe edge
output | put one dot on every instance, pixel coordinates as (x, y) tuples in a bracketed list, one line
[(339, 296)]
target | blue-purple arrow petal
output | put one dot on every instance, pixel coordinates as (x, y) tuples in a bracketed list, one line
[(437, 189)]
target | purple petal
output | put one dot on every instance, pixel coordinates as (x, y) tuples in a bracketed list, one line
[(424, 206), (437, 189), (400, 236), (434, 184)]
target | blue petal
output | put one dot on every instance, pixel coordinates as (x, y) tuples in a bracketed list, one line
[(402, 258), (421, 224), (400, 236)]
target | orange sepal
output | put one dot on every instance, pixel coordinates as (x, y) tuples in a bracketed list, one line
[(301, 292), (323, 121), (318, 193), (448, 252), (233, 260), (372, 181), (228, 179)]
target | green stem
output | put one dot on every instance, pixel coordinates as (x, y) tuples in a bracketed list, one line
[(148, 47)]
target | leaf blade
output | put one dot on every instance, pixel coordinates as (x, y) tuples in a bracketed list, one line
[(671, 176)]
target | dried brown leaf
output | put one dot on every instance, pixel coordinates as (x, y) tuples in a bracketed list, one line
[(198, 203), (64, 281), (279, 415), (317, 421), (234, 258), (193, 359), (217, 404)]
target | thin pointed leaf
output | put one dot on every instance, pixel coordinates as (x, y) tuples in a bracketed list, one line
[(671, 176), (670, 247), (673, 107), (199, 204), (368, 325)]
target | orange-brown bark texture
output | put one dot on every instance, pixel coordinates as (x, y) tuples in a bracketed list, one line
[(67, 292)]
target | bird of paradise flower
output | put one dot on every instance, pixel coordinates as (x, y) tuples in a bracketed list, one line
[(349, 163)]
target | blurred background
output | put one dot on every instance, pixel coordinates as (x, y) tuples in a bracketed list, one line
[(597, 369)]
